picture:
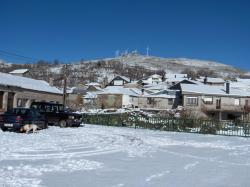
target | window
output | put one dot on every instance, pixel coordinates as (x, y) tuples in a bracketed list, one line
[(21, 102), (150, 101), (170, 101), (192, 101), (208, 100), (237, 102)]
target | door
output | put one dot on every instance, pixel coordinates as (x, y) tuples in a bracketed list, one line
[(246, 107), (218, 103)]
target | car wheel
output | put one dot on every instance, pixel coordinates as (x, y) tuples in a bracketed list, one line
[(63, 123)]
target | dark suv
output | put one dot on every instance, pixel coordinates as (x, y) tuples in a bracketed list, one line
[(15, 119), (56, 114)]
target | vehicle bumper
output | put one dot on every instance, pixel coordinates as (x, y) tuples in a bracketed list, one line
[(15, 128)]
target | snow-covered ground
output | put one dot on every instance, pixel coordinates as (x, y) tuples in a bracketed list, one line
[(116, 157)]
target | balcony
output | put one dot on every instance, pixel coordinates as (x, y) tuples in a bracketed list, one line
[(224, 107)]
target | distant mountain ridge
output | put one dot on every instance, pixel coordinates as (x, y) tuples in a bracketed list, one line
[(132, 65), (173, 65)]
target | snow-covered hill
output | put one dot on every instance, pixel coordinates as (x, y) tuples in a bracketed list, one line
[(171, 65), (132, 65)]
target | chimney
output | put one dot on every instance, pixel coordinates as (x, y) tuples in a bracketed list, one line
[(142, 91), (205, 80), (227, 87)]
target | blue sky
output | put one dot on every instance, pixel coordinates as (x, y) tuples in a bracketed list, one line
[(73, 30)]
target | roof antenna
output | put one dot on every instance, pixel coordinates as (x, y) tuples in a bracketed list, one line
[(147, 50)]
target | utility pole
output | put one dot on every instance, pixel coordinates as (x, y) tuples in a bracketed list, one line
[(65, 74)]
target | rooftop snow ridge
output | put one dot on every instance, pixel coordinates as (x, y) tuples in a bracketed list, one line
[(27, 83)]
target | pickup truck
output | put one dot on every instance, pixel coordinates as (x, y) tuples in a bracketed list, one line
[(15, 119), (57, 114)]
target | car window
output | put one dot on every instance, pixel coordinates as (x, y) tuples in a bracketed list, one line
[(38, 107), (54, 108), (21, 111), (61, 108)]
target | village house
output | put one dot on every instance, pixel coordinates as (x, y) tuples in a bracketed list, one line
[(74, 98), (16, 91), (90, 98), (173, 81), (20, 72), (118, 97), (162, 100), (218, 102), (119, 81), (152, 79), (177, 86), (212, 81)]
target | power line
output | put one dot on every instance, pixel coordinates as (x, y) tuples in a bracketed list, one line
[(16, 56)]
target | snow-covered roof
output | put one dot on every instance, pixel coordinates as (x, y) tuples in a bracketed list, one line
[(177, 79), (155, 76), (19, 71), (160, 96), (212, 90), (97, 88), (145, 79), (93, 84), (167, 92), (76, 90), (242, 84), (212, 80), (122, 77), (27, 83), (125, 78), (121, 90), (155, 86), (178, 75)]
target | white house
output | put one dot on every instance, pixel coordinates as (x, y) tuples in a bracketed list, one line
[(152, 79)]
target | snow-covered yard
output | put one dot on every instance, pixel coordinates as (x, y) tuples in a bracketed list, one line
[(114, 157)]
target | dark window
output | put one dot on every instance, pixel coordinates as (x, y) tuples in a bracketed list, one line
[(150, 101), (192, 101)]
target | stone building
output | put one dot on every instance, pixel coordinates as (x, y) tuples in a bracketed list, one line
[(16, 91), (218, 102), (163, 100)]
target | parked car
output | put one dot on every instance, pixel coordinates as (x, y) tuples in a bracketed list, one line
[(18, 117), (57, 114)]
